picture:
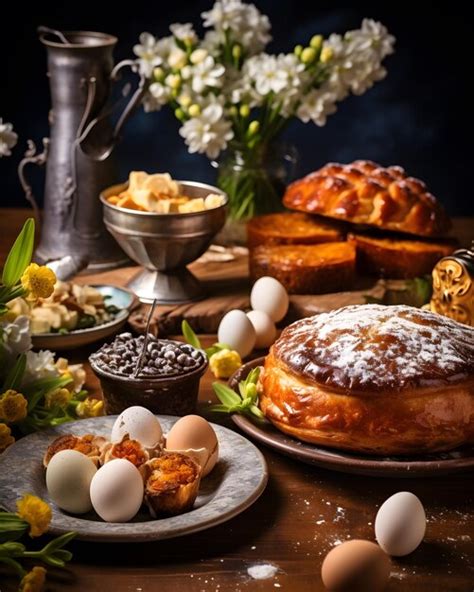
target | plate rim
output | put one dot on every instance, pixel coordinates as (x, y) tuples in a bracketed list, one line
[(149, 537), (339, 460)]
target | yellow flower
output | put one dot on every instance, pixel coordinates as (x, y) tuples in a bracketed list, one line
[(90, 408), (34, 580), (13, 406), (36, 512), (74, 371), (58, 398), (224, 363), (39, 281), (6, 438)]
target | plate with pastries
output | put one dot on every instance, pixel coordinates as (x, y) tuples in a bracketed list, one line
[(135, 477), (347, 222), (369, 389)]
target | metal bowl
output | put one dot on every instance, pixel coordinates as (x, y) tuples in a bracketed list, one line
[(165, 243)]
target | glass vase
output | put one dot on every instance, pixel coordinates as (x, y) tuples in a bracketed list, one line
[(255, 180)]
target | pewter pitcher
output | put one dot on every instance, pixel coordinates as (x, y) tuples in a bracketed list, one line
[(78, 155)]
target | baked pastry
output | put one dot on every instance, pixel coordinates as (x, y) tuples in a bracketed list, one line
[(366, 193), (89, 444), (397, 258), (374, 379), (128, 449), (290, 228), (306, 269), (171, 483)]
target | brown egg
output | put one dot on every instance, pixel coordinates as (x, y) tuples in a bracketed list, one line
[(356, 566), (192, 433)]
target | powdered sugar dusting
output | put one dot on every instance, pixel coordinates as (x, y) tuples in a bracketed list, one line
[(371, 346)]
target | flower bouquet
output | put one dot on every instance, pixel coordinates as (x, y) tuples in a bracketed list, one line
[(229, 94), (36, 390)]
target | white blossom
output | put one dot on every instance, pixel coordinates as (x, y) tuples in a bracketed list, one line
[(39, 365), (15, 337), (152, 52), (209, 132), (157, 96), (316, 106), (198, 56), (177, 58), (206, 74), (184, 32), (246, 23), (8, 138)]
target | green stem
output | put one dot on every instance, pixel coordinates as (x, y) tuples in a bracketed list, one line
[(14, 565)]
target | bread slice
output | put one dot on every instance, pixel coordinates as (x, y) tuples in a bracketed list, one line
[(306, 269), (291, 228), (398, 258)]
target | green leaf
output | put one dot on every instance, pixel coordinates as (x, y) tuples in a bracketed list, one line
[(15, 376), (216, 347), (20, 254), (254, 410), (226, 395), (219, 408), (189, 335)]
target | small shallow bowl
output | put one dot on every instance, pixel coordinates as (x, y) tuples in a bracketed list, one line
[(172, 395), (120, 297)]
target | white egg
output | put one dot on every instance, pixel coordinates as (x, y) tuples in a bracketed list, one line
[(264, 328), (400, 524), (236, 330), (140, 424), (68, 478), (117, 491), (269, 296)]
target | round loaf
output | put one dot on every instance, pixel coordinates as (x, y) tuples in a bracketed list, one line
[(366, 193), (371, 378)]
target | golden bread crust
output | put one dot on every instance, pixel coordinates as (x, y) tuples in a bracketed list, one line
[(366, 193), (306, 269), (291, 228), (398, 258), (382, 380)]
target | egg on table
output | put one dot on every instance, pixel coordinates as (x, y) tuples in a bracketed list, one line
[(117, 491), (68, 478), (270, 296), (140, 424), (400, 524), (356, 566), (265, 329), (193, 435), (236, 330)]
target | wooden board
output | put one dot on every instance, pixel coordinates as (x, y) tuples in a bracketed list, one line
[(228, 286)]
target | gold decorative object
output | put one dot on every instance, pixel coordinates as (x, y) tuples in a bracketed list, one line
[(453, 286)]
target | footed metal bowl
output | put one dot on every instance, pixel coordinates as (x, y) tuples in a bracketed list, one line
[(165, 243)]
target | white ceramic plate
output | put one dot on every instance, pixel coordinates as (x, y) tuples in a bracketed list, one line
[(120, 297), (236, 482)]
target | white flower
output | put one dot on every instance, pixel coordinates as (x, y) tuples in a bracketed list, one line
[(152, 52), (15, 337), (157, 96), (177, 58), (39, 365), (184, 32), (8, 138), (209, 132), (248, 26), (206, 74), (316, 106), (267, 76)]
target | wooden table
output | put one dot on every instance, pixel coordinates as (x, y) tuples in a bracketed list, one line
[(302, 514)]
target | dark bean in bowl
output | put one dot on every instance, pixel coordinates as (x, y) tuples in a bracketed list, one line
[(168, 381)]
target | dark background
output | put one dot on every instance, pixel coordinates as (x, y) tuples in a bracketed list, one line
[(417, 117)]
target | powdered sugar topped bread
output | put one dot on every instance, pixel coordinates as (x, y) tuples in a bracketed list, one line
[(371, 347), (371, 378)]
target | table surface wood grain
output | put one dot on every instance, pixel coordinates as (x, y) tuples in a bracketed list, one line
[(303, 513)]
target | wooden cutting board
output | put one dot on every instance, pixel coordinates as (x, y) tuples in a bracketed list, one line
[(228, 287)]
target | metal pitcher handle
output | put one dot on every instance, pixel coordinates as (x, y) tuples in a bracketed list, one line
[(32, 157), (137, 96)]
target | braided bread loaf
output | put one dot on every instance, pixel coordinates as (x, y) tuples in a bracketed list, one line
[(366, 193)]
